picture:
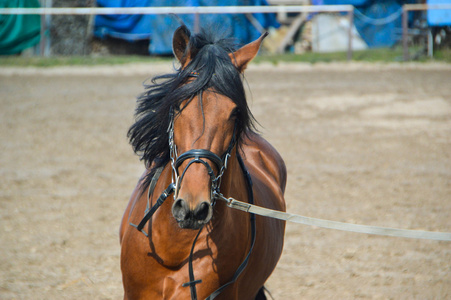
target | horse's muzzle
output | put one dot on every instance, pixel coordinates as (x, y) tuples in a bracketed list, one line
[(191, 219)]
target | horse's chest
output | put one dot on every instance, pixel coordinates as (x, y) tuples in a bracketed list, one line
[(155, 267)]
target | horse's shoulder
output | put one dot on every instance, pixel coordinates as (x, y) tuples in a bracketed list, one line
[(137, 192), (263, 157)]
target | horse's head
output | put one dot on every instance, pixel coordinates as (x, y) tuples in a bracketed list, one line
[(207, 124)]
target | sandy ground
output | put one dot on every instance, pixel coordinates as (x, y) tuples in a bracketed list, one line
[(366, 144)]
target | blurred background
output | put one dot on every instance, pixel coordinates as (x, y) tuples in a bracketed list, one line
[(370, 25)]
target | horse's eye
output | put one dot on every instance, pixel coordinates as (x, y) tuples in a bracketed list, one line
[(235, 113)]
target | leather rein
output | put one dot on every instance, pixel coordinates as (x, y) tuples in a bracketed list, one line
[(199, 156)]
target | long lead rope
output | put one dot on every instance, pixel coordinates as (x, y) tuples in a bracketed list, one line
[(385, 231)]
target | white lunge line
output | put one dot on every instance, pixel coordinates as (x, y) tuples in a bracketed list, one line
[(414, 234)]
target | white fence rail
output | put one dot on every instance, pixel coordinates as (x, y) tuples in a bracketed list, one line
[(175, 10), (180, 10)]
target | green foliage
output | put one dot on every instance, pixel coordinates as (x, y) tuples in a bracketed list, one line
[(36, 61), (372, 55), (443, 55)]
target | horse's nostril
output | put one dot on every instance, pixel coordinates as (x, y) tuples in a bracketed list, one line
[(180, 210), (188, 218), (202, 211)]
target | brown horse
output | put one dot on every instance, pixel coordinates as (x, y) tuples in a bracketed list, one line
[(195, 133)]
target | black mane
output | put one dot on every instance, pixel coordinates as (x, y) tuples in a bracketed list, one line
[(214, 71)]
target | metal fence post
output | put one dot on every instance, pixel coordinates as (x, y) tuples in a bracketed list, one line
[(404, 34), (351, 25), (42, 41)]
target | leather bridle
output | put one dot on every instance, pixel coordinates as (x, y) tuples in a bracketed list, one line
[(198, 156)]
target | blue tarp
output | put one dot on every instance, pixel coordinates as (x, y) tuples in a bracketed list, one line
[(127, 27), (159, 28), (342, 2), (376, 21), (439, 17)]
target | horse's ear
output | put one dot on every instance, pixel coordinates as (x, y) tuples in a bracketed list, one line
[(245, 54), (180, 44)]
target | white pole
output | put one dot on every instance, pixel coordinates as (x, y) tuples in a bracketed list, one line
[(174, 10)]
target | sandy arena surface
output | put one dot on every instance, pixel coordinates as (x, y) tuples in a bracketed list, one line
[(363, 143)]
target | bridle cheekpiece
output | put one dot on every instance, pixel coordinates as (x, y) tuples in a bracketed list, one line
[(198, 156)]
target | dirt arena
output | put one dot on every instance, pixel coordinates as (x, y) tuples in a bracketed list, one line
[(363, 143)]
